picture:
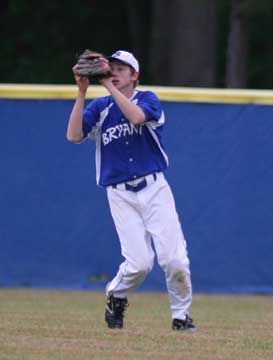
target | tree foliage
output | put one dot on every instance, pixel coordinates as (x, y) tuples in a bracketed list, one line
[(200, 43)]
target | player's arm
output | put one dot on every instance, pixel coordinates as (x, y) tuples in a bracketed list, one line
[(131, 111), (75, 124)]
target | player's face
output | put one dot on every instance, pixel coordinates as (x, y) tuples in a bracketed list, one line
[(123, 76)]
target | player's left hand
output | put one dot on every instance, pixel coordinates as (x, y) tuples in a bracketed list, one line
[(106, 81)]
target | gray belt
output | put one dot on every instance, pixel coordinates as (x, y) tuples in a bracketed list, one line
[(135, 187)]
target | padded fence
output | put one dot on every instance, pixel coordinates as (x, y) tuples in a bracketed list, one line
[(55, 226)]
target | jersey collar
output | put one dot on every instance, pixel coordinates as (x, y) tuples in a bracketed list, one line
[(134, 94)]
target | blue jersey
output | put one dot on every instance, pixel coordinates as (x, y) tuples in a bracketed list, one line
[(125, 151)]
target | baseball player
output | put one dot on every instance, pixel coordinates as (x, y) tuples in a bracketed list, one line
[(127, 126)]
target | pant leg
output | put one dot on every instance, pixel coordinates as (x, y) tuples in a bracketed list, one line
[(162, 222), (134, 240)]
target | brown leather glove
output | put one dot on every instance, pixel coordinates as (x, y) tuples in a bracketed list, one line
[(93, 65)]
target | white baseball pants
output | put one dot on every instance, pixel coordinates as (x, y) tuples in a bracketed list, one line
[(140, 218)]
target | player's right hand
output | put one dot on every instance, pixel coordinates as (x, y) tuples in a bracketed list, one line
[(82, 81)]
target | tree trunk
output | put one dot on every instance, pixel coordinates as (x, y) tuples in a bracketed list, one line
[(183, 43), (236, 65)]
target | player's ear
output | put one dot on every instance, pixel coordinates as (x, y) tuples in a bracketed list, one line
[(135, 75)]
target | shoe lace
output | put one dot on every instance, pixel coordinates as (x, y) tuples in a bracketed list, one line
[(120, 305), (188, 320)]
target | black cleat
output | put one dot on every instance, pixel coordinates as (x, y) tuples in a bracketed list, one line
[(183, 325), (114, 311)]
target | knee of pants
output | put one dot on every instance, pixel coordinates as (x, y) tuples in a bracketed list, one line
[(142, 269), (175, 266)]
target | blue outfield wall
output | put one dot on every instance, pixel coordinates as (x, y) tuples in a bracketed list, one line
[(55, 226)]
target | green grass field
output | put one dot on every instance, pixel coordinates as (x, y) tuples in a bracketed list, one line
[(66, 325)]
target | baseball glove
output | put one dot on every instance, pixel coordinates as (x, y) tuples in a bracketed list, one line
[(93, 65)]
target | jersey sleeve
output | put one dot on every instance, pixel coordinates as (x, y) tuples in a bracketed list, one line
[(90, 117), (151, 107)]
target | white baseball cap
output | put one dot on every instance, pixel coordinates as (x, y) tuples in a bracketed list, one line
[(127, 58)]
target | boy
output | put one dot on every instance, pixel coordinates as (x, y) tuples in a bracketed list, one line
[(130, 160)]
